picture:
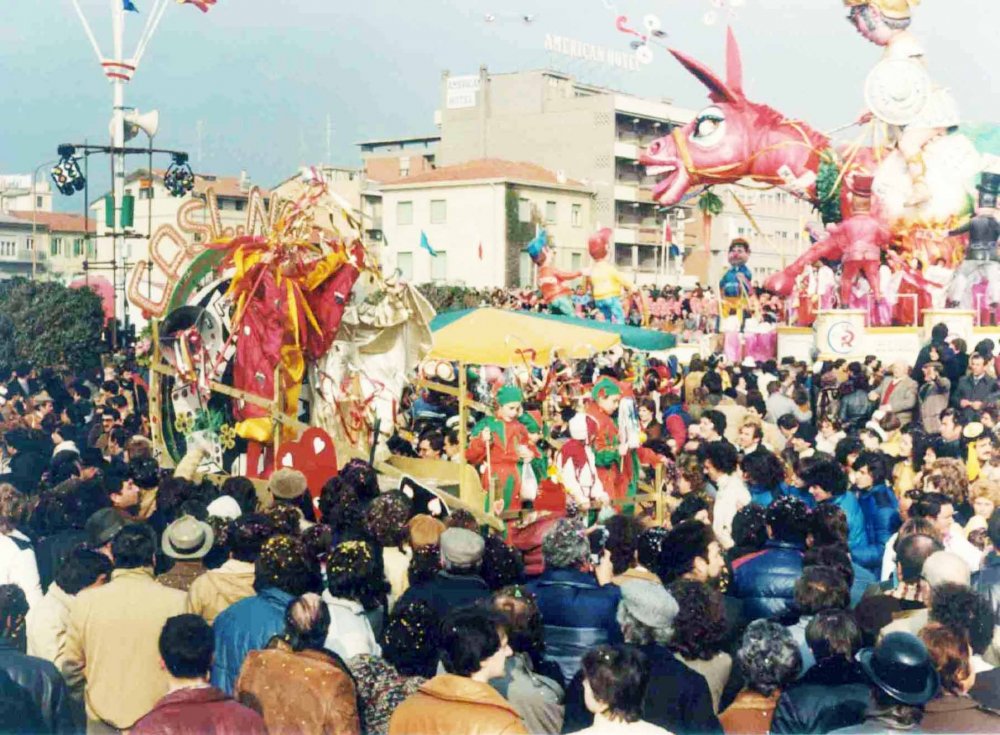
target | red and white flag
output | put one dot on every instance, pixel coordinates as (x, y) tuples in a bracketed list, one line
[(480, 249)]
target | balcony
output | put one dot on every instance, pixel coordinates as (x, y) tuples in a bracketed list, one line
[(626, 235), (627, 150), (625, 193), (638, 232)]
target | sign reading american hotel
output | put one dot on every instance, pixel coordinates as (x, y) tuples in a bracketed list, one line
[(591, 52)]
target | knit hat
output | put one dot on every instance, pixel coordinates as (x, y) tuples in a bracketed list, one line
[(287, 484), (604, 388), (649, 603), (461, 547), (945, 567), (509, 394), (565, 545), (425, 530)]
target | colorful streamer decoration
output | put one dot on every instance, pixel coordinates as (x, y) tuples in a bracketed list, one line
[(640, 43), (202, 5)]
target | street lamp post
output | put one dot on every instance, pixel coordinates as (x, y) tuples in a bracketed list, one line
[(34, 216)]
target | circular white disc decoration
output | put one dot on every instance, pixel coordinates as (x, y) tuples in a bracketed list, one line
[(897, 90)]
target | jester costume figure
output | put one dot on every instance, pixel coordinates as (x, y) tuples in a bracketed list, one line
[(499, 444), (605, 397), (552, 281), (290, 301)]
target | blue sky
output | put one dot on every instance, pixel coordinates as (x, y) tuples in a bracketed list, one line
[(262, 76)]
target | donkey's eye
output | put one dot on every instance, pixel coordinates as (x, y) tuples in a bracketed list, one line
[(707, 125)]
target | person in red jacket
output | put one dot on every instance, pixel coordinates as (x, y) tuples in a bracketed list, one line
[(191, 705), (552, 281), (499, 444)]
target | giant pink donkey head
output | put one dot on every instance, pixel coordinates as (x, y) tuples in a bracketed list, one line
[(731, 139)]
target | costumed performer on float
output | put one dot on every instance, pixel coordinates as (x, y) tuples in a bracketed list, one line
[(982, 262), (606, 281), (735, 284), (577, 463), (552, 281), (609, 451), (499, 444)]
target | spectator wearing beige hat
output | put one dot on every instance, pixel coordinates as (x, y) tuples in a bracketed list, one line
[(43, 406), (187, 540), (289, 487), (217, 589)]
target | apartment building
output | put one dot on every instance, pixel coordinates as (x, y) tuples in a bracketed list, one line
[(477, 216)]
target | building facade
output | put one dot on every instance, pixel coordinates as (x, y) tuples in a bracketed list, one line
[(477, 217), (18, 194), (17, 248), (62, 241)]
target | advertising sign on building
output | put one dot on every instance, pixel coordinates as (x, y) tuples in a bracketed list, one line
[(461, 92), (590, 52)]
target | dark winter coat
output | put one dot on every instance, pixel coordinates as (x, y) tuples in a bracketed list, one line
[(578, 614), (831, 694), (46, 688), (765, 580)]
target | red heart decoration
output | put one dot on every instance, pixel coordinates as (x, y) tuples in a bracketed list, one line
[(314, 455)]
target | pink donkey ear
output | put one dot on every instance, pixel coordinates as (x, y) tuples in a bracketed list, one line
[(734, 64), (718, 91)]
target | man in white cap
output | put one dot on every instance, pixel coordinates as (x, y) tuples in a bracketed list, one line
[(459, 582)]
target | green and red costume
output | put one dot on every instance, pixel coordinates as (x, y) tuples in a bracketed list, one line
[(503, 467)]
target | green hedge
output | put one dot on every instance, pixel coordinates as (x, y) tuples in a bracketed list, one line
[(49, 324), (453, 298)]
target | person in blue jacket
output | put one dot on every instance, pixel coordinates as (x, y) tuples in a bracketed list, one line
[(765, 580), (765, 478), (826, 482), (880, 508), (283, 572), (576, 598)]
